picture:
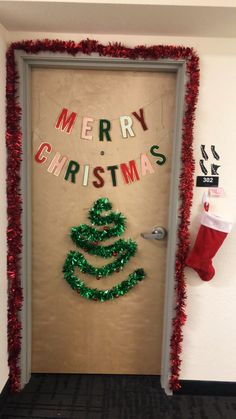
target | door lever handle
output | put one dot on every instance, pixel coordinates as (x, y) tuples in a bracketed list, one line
[(158, 233)]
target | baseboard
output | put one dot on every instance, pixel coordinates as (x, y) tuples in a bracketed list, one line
[(207, 388), (4, 393), (188, 387)]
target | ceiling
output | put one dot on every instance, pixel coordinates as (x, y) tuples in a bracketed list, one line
[(125, 17)]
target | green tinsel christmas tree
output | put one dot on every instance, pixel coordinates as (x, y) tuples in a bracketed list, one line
[(88, 238)]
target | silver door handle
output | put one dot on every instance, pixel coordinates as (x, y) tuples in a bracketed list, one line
[(158, 233)]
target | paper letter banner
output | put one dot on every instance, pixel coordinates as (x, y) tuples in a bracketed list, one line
[(86, 127), (126, 124), (73, 170), (129, 172), (140, 118), (65, 122), (44, 147), (57, 164), (145, 165), (97, 175)]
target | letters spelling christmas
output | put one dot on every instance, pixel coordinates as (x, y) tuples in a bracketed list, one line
[(129, 171)]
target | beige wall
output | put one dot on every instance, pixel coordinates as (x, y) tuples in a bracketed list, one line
[(3, 218), (210, 333)]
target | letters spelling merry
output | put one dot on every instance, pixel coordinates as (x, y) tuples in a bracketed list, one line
[(66, 121), (129, 171)]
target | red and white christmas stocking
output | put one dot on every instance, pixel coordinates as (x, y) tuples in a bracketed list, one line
[(211, 234)]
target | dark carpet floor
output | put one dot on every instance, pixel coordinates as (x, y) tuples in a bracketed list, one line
[(67, 396)]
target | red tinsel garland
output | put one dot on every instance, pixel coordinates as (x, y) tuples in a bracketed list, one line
[(14, 146)]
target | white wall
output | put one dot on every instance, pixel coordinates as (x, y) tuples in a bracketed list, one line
[(3, 218), (210, 335), (210, 332)]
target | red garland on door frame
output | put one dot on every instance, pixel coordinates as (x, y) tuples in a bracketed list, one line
[(14, 210)]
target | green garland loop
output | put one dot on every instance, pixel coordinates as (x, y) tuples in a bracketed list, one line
[(88, 238), (103, 204), (79, 260), (93, 293)]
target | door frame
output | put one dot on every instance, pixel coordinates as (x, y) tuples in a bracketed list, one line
[(25, 62)]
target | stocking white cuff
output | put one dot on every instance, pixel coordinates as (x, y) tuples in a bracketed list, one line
[(216, 222)]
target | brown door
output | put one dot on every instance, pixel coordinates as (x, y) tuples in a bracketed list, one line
[(71, 333)]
